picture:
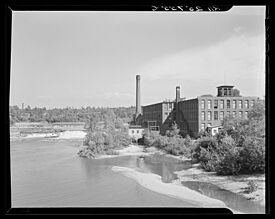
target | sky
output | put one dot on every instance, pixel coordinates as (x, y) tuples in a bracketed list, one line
[(78, 59)]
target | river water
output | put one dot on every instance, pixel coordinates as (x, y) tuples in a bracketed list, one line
[(49, 173)]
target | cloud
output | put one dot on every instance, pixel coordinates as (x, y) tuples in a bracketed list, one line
[(117, 95), (237, 60)]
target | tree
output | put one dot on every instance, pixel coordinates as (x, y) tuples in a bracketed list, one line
[(173, 131), (93, 122), (258, 111)]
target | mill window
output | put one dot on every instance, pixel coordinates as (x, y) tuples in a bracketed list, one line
[(209, 115), (240, 104), (222, 104), (216, 115), (215, 104), (221, 115), (209, 104), (241, 114), (246, 105), (203, 104), (234, 104), (202, 116), (228, 104)]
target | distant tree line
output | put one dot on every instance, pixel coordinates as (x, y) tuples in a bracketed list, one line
[(67, 114)]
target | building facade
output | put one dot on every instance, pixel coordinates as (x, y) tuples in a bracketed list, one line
[(209, 111), (135, 132), (155, 115), (193, 115)]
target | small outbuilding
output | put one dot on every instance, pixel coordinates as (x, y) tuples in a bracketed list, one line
[(136, 132), (213, 130)]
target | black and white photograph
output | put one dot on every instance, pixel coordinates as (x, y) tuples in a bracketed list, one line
[(138, 109)]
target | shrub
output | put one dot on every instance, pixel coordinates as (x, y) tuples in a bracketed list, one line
[(86, 152), (207, 143), (172, 144), (253, 155), (227, 160), (104, 142), (173, 131), (222, 158), (150, 138), (161, 142), (251, 187)]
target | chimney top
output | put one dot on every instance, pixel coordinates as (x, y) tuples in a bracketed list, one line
[(177, 94)]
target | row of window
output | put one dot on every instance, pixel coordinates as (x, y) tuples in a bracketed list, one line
[(225, 91), (137, 131), (221, 104), (221, 115)]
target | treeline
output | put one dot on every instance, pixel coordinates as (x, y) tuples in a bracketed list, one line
[(68, 114), (238, 149)]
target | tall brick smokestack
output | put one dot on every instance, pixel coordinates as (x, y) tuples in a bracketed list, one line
[(177, 103), (138, 106), (177, 94)]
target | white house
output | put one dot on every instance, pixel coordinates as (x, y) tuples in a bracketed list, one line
[(135, 132), (214, 129)]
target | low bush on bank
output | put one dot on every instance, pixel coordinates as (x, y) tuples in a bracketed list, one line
[(104, 139), (172, 144), (251, 187), (227, 158), (103, 142)]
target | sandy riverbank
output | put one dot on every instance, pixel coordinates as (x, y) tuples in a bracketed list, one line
[(153, 182), (235, 184), (131, 150)]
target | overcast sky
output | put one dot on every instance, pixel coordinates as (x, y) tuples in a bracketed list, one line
[(80, 59)]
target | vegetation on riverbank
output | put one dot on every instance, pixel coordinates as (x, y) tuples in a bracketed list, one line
[(172, 142), (238, 149), (105, 138)]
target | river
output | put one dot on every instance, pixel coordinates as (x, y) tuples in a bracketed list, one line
[(49, 173)]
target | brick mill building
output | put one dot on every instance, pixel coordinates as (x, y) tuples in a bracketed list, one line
[(193, 115), (208, 111)]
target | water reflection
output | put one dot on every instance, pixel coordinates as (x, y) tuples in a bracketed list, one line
[(163, 166), (96, 168), (166, 166), (232, 200)]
